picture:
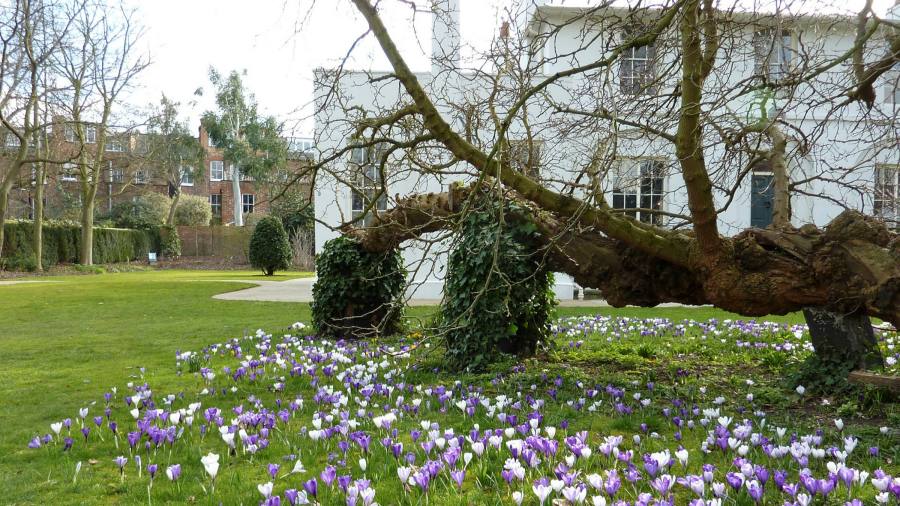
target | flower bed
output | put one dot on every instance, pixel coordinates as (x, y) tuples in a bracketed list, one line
[(293, 419)]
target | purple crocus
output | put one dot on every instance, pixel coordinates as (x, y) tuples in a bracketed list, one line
[(312, 487), (458, 476), (173, 472), (273, 470)]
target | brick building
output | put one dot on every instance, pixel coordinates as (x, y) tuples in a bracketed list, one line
[(128, 175)]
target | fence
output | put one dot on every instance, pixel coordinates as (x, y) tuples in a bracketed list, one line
[(232, 244), (225, 243)]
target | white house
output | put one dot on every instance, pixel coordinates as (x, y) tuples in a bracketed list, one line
[(846, 166)]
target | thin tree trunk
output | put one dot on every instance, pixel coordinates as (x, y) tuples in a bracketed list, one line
[(87, 232), (4, 203), (38, 234), (170, 220), (781, 209), (236, 191)]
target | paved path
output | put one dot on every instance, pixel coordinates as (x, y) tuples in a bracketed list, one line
[(25, 281), (292, 290), (300, 290)]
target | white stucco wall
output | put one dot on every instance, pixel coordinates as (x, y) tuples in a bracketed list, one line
[(364, 91)]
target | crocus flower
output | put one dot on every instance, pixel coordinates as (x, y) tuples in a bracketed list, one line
[(312, 487), (265, 489), (211, 464), (173, 472)]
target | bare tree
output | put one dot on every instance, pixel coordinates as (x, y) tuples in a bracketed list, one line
[(173, 154), (32, 34), (633, 142), (99, 63)]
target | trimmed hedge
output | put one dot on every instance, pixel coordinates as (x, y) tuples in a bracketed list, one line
[(62, 243)]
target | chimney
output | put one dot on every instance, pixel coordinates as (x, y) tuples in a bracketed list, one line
[(445, 38)]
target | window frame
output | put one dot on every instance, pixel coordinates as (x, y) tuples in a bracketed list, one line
[(245, 204), (766, 45), (636, 192), (216, 207), (187, 176), (631, 82), (140, 176), (116, 174), (112, 143), (367, 183), (886, 190), (221, 163)]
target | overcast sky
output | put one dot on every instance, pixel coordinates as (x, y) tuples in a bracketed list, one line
[(280, 42)]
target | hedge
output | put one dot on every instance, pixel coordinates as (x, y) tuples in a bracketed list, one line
[(62, 243)]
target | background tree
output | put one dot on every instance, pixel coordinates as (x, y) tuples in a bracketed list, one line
[(660, 82), (173, 154), (252, 145), (100, 63), (31, 34)]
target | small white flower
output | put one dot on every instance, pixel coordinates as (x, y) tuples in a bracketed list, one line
[(211, 464), (800, 389), (265, 489)]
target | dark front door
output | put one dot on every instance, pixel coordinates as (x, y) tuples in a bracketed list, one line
[(761, 196)]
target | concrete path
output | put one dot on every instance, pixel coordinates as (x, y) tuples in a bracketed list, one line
[(292, 290), (25, 281), (300, 290)]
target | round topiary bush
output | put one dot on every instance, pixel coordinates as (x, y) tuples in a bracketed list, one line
[(497, 295), (270, 249), (357, 292)]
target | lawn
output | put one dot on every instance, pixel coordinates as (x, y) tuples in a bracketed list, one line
[(69, 342)]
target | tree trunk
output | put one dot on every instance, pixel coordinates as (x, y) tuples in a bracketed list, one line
[(170, 220), (236, 191), (38, 234), (781, 203), (851, 265), (4, 204), (844, 338), (87, 232)]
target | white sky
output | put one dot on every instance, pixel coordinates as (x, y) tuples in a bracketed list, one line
[(280, 42)]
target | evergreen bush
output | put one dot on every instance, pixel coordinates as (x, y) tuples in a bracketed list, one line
[(270, 248), (169, 241), (193, 211), (497, 295), (143, 212), (357, 293)]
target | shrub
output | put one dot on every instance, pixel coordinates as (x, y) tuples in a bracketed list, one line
[(270, 249), (143, 212), (193, 211), (497, 294), (357, 292), (170, 241), (62, 241)]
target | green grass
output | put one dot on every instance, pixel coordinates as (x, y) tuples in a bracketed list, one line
[(66, 343)]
